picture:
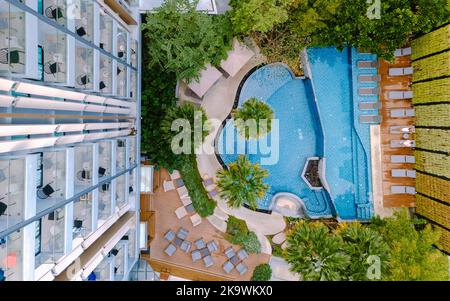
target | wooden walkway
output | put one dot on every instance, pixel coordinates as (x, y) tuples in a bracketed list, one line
[(394, 83)]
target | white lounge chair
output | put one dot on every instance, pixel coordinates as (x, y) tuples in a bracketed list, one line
[(410, 190), (398, 159), (168, 186), (369, 105), (410, 113), (400, 71), (182, 192), (400, 94), (398, 189), (403, 143), (402, 113), (175, 174), (369, 118), (196, 220), (403, 52), (180, 212), (367, 78), (398, 173), (369, 91), (186, 201), (402, 129)]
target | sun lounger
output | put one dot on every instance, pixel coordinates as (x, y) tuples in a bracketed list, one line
[(402, 129), (400, 94), (180, 212), (196, 255), (186, 201), (228, 267), (403, 143), (242, 254), (411, 173), (403, 52), (369, 118), (212, 246), (367, 78), (368, 64), (229, 252), (398, 189), (402, 113), (183, 192), (398, 173), (168, 186), (182, 233), (241, 268), (170, 250), (208, 261), (175, 174), (196, 220), (369, 105), (400, 71), (369, 91), (200, 243), (185, 246), (410, 159), (169, 236), (398, 159)]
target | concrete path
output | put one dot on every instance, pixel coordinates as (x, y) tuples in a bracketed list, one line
[(280, 270)]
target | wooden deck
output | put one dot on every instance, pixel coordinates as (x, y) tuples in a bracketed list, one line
[(180, 264), (397, 83)]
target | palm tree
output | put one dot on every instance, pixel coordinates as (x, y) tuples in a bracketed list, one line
[(256, 114), (242, 183), (314, 253), (362, 242)]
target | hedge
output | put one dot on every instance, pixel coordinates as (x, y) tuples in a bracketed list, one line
[(433, 139), (430, 67), (440, 213), (433, 163), (432, 91), (430, 43), (433, 115), (262, 272), (434, 187), (444, 240)]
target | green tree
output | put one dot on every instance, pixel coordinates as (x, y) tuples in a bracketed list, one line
[(257, 111), (361, 242), (315, 254), (257, 15), (399, 20), (183, 40), (242, 182), (184, 121), (239, 234), (412, 256), (262, 272)]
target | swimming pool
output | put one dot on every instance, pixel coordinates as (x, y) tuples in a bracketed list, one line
[(316, 119)]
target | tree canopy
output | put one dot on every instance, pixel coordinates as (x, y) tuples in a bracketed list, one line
[(253, 113), (183, 40)]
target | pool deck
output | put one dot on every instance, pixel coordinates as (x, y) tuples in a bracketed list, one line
[(397, 83), (164, 204)]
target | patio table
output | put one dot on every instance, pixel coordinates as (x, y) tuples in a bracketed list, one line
[(235, 260), (205, 252), (178, 242)]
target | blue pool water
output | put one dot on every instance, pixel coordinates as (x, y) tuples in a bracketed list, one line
[(316, 119)]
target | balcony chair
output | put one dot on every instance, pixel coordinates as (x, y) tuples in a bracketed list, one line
[(3, 208), (45, 192), (52, 67), (83, 80), (11, 56), (54, 12), (83, 175), (114, 252), (102, 85), (81, 31), (101, 171)]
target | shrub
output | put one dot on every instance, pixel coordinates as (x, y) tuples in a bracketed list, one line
[(262, 272), (239, 234)]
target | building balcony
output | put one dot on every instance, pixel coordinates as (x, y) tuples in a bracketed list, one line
[(82, 219), (11, 257), (122, 43), (12, 38), (51, 179), (12, 192), (105, 84), (55, 10), (84, 20), (52, 54), (121, 80), (84, 171), (84, 67), (106, 31)]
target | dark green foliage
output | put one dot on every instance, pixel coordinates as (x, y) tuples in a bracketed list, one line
[(238, 233), (262, 272)]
